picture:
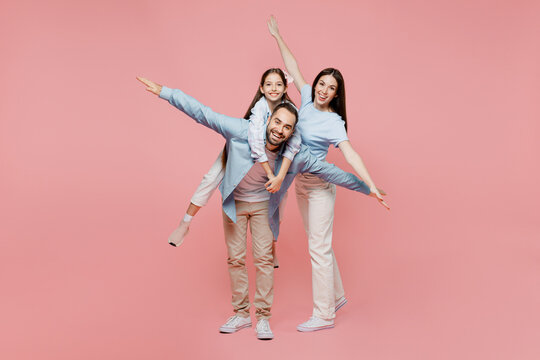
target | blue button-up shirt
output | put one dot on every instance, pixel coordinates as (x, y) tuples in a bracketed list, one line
[(239, 161)]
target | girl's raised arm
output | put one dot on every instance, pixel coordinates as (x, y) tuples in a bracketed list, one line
[(286, 54)]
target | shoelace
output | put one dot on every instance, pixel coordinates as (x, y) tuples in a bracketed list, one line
[(233, 320), (313, 320), (263, 326)]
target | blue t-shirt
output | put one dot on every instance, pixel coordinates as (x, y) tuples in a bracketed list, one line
[(319, 129)]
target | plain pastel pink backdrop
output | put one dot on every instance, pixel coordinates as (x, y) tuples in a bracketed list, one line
[(443, 105)]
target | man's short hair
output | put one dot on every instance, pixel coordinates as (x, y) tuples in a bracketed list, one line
[(288, 106)]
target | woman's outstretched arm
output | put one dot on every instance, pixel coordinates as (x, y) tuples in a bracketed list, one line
[(286, 54), (357, 164)]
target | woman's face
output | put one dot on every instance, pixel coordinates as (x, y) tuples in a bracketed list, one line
[(273, 88), (325, 91)]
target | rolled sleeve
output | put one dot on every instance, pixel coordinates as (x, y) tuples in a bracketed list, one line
[(293, 145)]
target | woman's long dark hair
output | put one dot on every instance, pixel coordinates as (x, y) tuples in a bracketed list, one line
[(259, 94), (257, 97), (338, 102)]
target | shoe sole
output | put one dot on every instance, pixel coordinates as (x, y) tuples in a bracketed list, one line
[(265, 337), (303, 329), (181, 240), (231, 331), (340, 305)]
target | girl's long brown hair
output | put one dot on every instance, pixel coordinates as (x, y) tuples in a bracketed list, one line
[(257, 97)]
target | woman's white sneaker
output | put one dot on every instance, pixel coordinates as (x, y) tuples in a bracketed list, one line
[(234, 324), (314, 323), (263, 330)]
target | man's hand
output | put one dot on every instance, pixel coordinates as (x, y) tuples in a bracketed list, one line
[(150, 85), (274, 184)]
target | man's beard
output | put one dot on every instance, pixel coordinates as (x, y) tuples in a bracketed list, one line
[(272, 141)]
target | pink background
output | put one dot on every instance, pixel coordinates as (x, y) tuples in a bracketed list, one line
[(443, 102)]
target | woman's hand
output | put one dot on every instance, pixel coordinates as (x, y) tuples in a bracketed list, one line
[(376, 193), (273, 26), (150, 85)]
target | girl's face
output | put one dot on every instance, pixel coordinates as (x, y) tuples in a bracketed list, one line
[(273, 88), (325, 91)]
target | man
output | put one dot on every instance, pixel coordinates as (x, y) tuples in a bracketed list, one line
[(245, 198)]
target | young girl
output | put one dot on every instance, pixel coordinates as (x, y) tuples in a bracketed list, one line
[(322, 121), (271, 92)]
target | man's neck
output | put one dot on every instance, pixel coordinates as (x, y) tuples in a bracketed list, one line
[(272, 148)]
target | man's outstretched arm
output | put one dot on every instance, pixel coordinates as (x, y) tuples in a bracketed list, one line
[(330, 172), (227, 126)]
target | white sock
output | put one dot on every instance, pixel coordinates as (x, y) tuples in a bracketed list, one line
[(187, 218)]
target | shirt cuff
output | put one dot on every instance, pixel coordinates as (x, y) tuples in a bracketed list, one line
[(336, 143), (262, 158), (289, 154), (165, 93)]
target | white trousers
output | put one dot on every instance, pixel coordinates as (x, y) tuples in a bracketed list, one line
[(209, 183), (316, 199)]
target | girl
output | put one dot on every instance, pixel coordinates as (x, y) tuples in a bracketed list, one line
[(271, 92), (322, 121)]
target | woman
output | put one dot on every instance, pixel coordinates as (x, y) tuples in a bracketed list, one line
[(322, 122)]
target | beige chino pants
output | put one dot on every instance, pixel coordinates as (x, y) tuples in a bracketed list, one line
[(316, 199), (256, 214)]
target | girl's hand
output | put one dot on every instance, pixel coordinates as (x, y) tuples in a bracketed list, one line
[(274, 184), (150, 85), (376, 193), (273, 26)]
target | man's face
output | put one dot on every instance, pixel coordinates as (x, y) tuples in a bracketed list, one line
[(280, 127)]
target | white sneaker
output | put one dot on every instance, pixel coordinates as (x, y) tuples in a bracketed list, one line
[(340, 303), (314, 323), (263, 330), (234, 324), (177, 236)]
